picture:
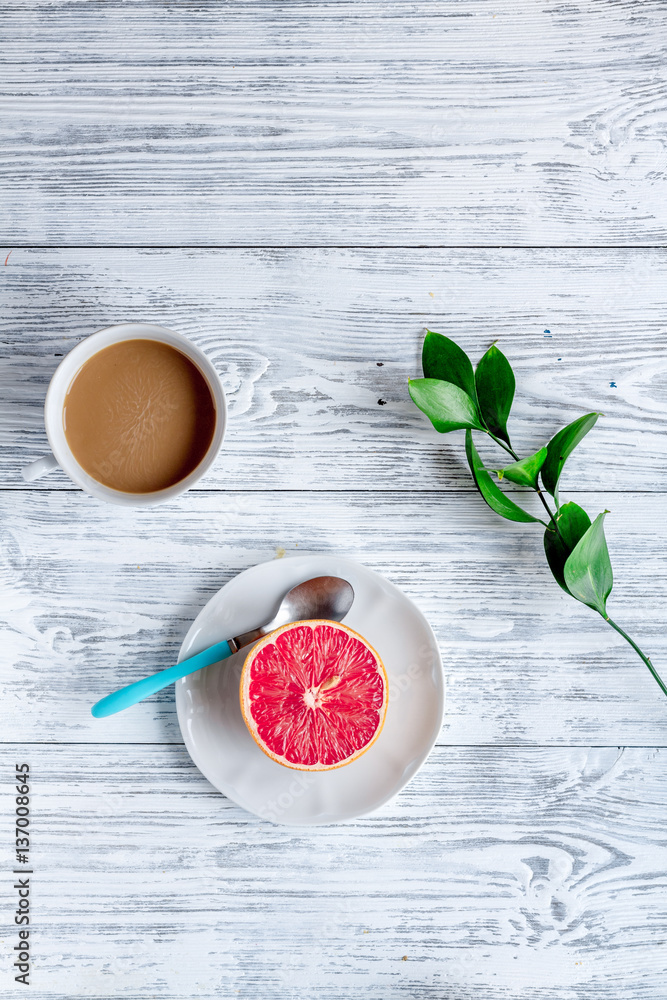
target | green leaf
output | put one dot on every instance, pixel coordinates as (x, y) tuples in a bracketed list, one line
[(588, 574), (562, 445), (573, 523), (447, 407), (495, 384), (493, 495), (443, 359), (525, 472)]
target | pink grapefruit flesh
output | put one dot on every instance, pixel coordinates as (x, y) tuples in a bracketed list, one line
[(314, 695)]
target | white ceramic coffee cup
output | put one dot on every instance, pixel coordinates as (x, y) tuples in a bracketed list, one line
[(55, 401)]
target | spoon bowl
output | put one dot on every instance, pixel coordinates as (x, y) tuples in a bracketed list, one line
[(326, 597)]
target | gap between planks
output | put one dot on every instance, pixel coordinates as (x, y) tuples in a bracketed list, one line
[(327, 489), (438, 745), (632, 247)]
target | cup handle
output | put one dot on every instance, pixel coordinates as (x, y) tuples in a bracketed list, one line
[(39, 468)]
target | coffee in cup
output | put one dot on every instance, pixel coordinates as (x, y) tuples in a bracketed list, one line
[(139, 416), (134, 414)]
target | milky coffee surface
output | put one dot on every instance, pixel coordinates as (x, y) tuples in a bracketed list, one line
[(139, 416)]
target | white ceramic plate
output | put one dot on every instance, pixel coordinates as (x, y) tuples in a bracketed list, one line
[(210, 717)]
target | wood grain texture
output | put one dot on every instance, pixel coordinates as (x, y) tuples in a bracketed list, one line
[(506, 870), (308, 342), (531, 875), (94, 597), (341, 122)]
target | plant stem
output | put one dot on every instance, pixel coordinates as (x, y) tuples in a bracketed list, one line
[(510, 451), (546, 507), (646, 659)]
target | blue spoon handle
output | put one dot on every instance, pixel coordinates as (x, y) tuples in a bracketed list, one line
[(133, 693)]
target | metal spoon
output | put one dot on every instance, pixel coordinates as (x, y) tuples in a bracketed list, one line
[(327, 597)]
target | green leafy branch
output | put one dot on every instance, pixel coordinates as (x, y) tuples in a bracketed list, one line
[(454, 397)]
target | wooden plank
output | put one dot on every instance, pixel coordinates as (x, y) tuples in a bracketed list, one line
[(308, 342), (95, 597), (511, 874), (318, 123)]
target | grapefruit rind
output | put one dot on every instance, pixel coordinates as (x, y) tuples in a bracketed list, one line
[(244, 695)]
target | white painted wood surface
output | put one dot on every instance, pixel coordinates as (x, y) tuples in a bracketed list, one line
[(97, 597), (318, 142), (479, 122), (513, 874), (297, 336)]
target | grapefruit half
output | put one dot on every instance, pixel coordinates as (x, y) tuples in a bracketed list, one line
[(314, 695)]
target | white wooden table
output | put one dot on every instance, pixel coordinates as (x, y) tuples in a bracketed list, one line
[(302, 188)]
